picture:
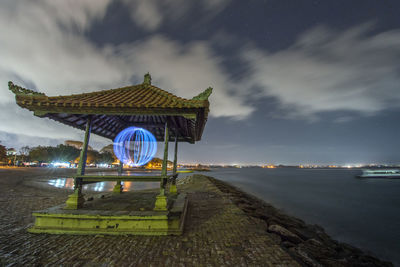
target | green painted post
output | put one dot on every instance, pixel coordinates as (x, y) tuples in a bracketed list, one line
[(165, 159), (175, 155), (76, 200), (161, 199), (120, 168), (83, 156), (172, 187), (118, 188)]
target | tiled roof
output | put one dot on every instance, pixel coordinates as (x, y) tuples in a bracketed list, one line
[(138, 96), (114, 109)]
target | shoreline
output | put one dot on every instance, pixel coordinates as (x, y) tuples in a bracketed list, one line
[(309, 244), (225, 226)]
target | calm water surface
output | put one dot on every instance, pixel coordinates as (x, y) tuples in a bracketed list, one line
[(361, 212), (68, 183), (108, 186), (103, 186)]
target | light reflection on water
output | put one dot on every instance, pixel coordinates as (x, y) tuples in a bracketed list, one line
[(68, 183)]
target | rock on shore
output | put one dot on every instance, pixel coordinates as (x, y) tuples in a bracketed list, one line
[(308, 244)]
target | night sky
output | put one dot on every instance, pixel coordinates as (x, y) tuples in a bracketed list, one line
[(295, 82)]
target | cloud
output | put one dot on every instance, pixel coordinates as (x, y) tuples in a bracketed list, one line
[(151, 14), (186, 71), (41, 47), (354, 70), (45, 49), (76, 15), (146, 14)]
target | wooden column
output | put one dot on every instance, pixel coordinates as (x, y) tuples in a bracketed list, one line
[(76, 200), (161, 200), (175, 155), (172, 187), (120, 168), (118, 188), (83, 156), (165, 159)]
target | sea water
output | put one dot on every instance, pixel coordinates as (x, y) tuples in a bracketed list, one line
[(362, 212)]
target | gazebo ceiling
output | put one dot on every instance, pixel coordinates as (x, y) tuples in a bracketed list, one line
[(142, 105)]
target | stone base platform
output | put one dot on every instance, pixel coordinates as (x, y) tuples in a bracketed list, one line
[(127, 214)]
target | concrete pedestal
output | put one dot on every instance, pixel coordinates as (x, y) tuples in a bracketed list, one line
[(113, 221), (75, 200)]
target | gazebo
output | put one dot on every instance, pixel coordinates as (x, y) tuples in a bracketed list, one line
[(106, 113)]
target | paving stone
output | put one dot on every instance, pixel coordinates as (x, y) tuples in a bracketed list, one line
[(217, 233)]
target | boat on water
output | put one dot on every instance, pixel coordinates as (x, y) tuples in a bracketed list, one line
[(380, 173)]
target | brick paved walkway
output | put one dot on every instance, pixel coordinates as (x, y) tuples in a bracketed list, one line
[(217, 233)]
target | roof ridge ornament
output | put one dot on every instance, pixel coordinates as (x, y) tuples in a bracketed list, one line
[(18, 90), (204, 95), (147, 79)]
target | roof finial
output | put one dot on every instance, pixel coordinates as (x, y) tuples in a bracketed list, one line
[(204, 95), (147, 79), (18, 90)]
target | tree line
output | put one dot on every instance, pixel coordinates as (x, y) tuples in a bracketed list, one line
[(59, 153), (3, 153)]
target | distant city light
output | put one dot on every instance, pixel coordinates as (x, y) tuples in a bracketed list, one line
[(135, 146), (103, 165), (61, 164)]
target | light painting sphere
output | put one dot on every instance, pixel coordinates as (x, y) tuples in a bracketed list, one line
[(135, 146)]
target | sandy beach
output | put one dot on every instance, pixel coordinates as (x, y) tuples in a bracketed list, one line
[(224, 226)]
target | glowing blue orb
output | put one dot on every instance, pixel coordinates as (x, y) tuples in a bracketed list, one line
[(135, 146)]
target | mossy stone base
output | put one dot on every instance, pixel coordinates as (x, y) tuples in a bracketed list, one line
[(57, 220), (75, 201), (172, 189), (161, 203), (118, 188)]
